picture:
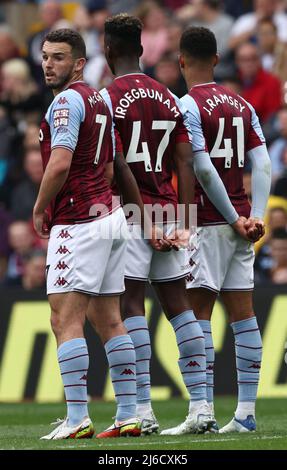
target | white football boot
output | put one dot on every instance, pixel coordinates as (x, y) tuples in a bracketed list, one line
[(149, 423), (83, 430), (240, 425), (197, 422)]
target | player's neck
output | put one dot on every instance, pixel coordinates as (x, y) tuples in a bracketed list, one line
[(125, 67), (75, 78), (198, 78)]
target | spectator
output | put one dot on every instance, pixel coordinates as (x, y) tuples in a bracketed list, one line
[(82, 22), (50, 12), (20, 96), (25, 194), (277, 149), (277, 217), (21, 241), (273, 52), (99, 11), (155, 33), (34, 271), (174, 33), (278, 273), (209, 14), (97, 73), (257, 84), (5, 220), (280, 187), (167, 71), (245, 27), (8, 47)]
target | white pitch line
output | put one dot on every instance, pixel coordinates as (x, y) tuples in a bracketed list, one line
[(193, 441)]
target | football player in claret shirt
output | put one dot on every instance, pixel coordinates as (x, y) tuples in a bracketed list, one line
[(84, 265), (225, 132), (154, 135)]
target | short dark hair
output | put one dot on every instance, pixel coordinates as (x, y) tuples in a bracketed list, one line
[(279, 234), (198, 42), (71, 37), (125, 31)]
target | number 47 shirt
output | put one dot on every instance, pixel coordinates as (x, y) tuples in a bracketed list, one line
[(150, 121)]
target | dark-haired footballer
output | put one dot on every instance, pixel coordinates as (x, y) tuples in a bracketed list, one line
[(225, 131), (154, 137), (84, 266)]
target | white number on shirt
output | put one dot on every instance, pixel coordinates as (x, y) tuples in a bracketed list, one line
[(227, 151), (102, 120), (133, 156)]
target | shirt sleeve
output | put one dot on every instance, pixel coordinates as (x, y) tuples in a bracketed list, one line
[(260, 180), (194, 123), (64, 117), (106, 97), (255, 136), (183, 130)]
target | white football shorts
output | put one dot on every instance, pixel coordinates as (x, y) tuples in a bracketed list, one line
[(88, 257), (220, 260), (143, 263)]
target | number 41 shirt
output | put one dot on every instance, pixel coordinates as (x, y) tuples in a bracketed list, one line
[(226, 126)]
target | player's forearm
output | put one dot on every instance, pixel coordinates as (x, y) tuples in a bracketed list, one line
[(261, 180), (213, 186), (52, 182), (127, 185), (186, 181)]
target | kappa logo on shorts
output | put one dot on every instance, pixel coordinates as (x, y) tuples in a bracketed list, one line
[(61, 265), (84, 377), (189, 278), (211, 367), (63, 250), (127, 372), (64, 234), (254, 366), (191, 262), (192, 364), (61, 281)]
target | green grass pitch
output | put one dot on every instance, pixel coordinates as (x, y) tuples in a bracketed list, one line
[(22, 424)]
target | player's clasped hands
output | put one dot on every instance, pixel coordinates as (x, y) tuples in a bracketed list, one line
[(179, 239), (251, 229)]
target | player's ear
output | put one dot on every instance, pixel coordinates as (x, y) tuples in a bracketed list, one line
[(216, 60), (181, 61), (80, 64)]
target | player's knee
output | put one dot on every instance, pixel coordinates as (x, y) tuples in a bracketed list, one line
[(110, 329)]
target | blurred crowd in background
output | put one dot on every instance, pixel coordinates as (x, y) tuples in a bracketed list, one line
[(252, 43)]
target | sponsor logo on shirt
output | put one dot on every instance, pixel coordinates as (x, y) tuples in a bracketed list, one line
[(61, 117)]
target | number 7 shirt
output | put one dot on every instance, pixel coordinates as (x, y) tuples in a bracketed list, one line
[(150, 121), (79, 120), (226, 127)]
